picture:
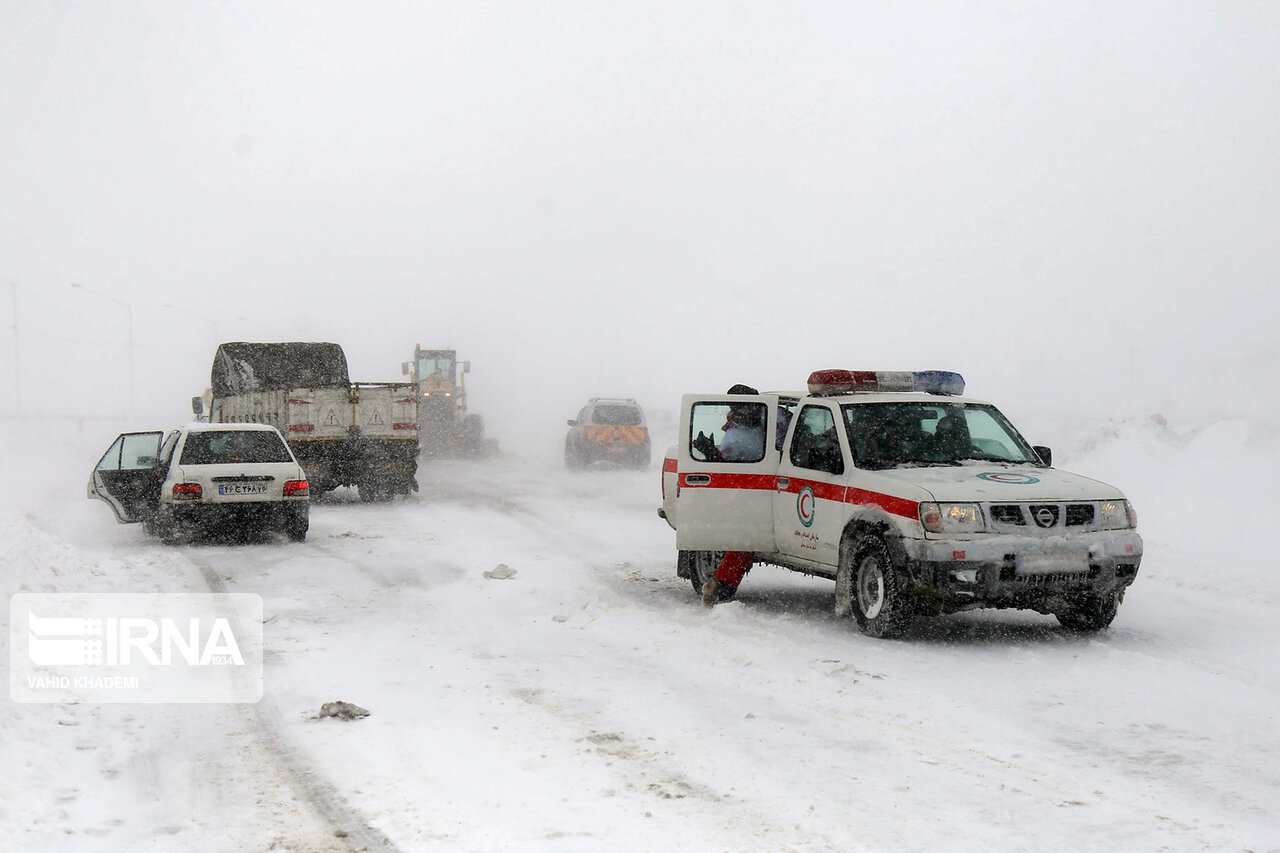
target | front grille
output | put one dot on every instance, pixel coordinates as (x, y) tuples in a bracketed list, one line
[(1078, 515), (1007, 514), (1045, 515), (1042, 516)]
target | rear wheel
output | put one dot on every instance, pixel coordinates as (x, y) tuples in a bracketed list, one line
[(1091, 613), (880, 606), (296, 525), (168, 529), (702, 567), (572, 456), (373, 489)]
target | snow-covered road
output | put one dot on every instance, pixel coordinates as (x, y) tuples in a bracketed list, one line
[(590, 702)]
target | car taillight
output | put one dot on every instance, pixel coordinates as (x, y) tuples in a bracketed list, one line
[(187, 492), (295, 489)]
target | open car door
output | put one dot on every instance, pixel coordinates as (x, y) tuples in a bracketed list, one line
[(725, 486), (128, 476)]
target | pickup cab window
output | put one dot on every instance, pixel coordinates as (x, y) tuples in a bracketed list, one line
[(815, 443), (890, 435)]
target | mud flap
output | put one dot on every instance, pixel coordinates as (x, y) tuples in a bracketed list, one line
[(844, 589)]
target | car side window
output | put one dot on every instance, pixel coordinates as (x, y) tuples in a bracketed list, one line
[(815, 444), (132, 452), (728, 432), (166, 449), (110, 460)]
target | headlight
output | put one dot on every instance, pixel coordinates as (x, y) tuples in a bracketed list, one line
[(1118, 515), (952, 518)]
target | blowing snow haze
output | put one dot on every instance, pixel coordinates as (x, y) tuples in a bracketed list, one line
[(1071, 205)]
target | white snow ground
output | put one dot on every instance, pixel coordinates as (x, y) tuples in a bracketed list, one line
[(590, 702)]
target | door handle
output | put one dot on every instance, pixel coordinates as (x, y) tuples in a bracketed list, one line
[(783, 482)]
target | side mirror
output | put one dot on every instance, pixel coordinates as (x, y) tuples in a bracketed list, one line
[(1045, 454), (404, 368), (466, 367), (197, 406), (571, 422), (147, 461)]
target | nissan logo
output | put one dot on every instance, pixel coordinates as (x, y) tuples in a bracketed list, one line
[(1046, 517)]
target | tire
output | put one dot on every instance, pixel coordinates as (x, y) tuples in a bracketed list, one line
[(473, 436), (166, 528), (880, 606), (572, 456), (702, 567), (296, 526), (372, 489), (1090, 614)]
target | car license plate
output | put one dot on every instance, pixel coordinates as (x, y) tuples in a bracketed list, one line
[(1068, 562), (242, 489)]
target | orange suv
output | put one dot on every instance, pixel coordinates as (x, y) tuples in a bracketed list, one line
[(608, 430)]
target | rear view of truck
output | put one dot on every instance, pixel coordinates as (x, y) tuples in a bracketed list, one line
[(344, 434)]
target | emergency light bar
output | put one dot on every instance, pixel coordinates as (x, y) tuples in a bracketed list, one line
[(826, 382)]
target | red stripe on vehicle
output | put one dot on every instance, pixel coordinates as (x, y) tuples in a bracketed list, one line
[(826, 491), (306, 402), (404, 426), (670, 466), (766, 482), (301, 427), (889, 503)]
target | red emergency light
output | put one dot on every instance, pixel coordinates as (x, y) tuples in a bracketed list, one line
[(827, 382)]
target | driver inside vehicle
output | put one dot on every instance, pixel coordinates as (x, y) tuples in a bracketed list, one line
[(951, 437)]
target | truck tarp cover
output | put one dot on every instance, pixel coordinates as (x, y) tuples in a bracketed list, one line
[(242, 367)]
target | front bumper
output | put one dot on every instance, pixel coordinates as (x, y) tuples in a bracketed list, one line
[(1042, 574)]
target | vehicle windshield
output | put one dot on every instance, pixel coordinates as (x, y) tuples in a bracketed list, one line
[(438, 364), (890, 435), (616, 416), (220, 447)]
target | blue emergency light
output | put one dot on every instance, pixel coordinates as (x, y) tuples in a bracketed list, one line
[(827, 382)]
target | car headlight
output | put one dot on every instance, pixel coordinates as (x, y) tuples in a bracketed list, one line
[(1118, 515), (952, 518)]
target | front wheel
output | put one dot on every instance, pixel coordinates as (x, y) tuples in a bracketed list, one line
[(880, 606), (1092, 613)]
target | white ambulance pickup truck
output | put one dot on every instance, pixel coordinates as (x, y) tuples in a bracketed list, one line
[(914, 499)]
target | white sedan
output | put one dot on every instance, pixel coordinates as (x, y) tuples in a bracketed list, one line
[(204, 478)]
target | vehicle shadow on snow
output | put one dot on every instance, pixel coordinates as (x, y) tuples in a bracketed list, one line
[(994, 627), (235, 536)]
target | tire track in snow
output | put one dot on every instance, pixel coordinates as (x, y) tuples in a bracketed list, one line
[(347, 826)]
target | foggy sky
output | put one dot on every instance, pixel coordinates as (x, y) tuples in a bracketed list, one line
[(1069, 203)]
